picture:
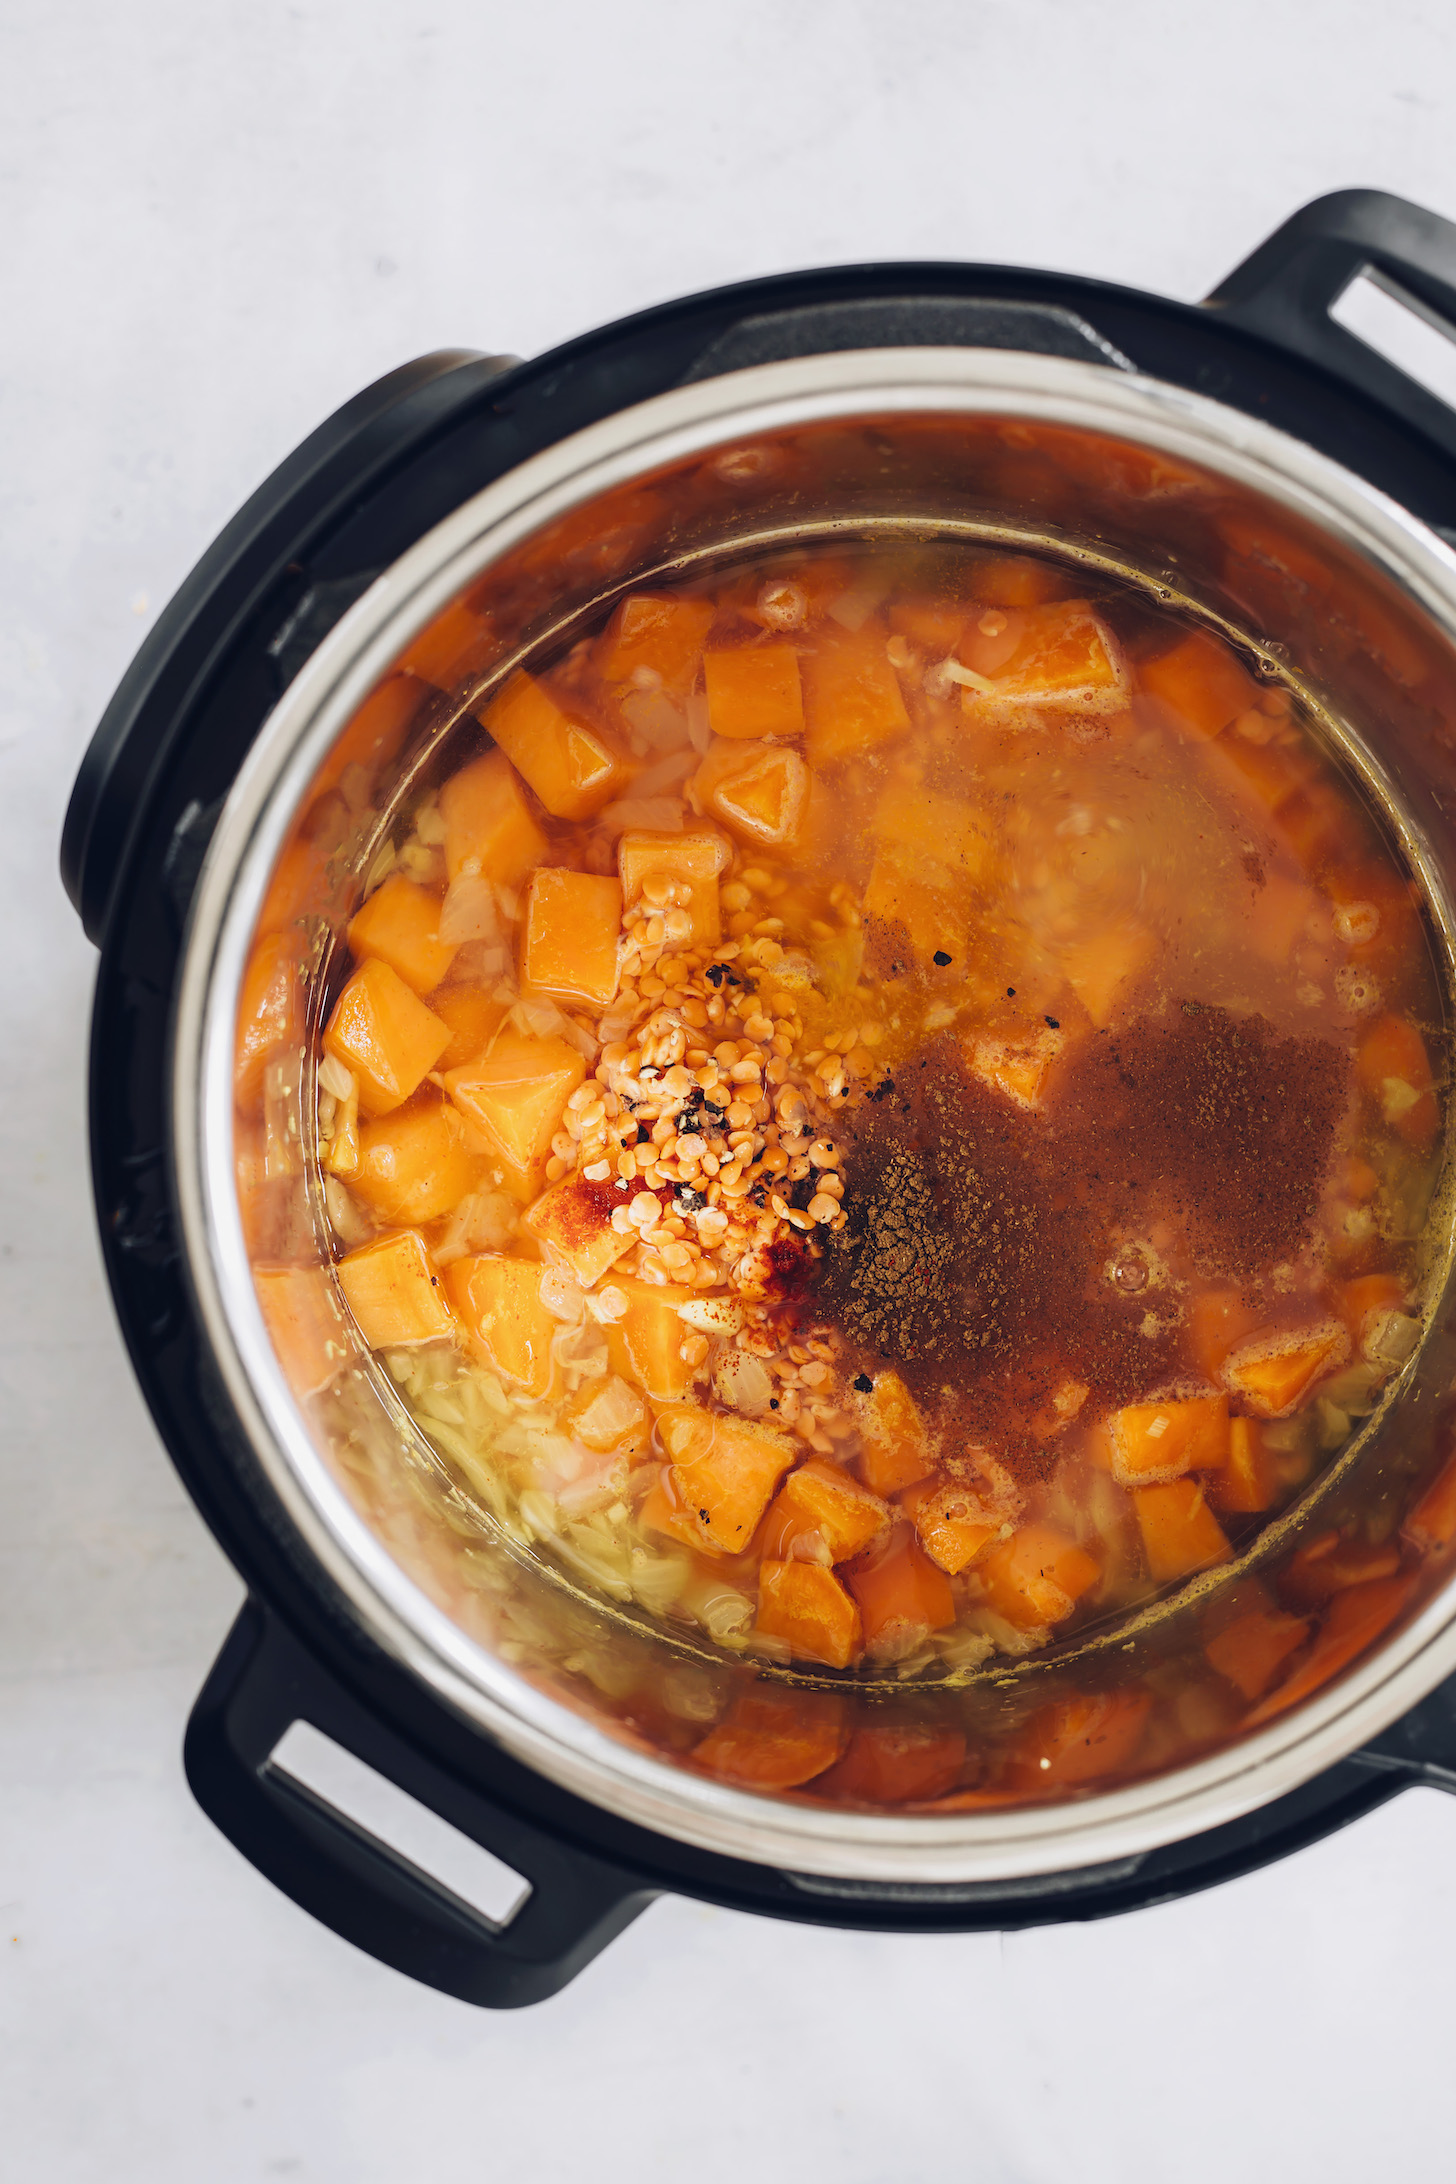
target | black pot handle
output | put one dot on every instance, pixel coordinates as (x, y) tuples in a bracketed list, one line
[(1421, 1746), (261, 1683), (1285, 292)]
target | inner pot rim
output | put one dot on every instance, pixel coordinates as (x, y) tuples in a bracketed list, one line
[(1007, 1844)]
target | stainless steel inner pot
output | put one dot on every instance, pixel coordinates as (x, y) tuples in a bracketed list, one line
[(1336, 586)]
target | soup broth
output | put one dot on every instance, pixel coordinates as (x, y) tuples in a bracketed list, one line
[(884, 1113)]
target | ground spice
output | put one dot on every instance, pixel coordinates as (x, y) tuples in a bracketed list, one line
[(980, 1236)]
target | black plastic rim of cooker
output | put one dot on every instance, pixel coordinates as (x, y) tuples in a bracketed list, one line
[(347, 503)]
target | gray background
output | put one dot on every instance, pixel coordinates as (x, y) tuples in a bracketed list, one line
[(217, 221)]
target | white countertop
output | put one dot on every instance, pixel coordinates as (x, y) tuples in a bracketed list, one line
[(216, 223)]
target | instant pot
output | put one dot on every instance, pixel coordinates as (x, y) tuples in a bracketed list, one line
[(1253, 459)]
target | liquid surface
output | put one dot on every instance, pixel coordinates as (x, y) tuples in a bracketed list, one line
[(884, 1114)]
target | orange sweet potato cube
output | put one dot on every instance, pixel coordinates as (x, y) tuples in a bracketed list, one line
[(1201, 683), (1218, 1319), (894, 1446), (1247, 1482), (902, 1596), (305, 1326), (400, 924), (375, 734), (645, 1345), (758, 790), (952, 1522), (573, 767), (1037, 1576), (385, 1035), (1063, 658), (1082, 1738), (775, 1740), (569, 935), (805, 1606), (725, 1469), (1152, 1442), (573, 1223), (691, 860), (268, 1014), (1273, 1373), (515, 1095), (1104, 968), (663, 1512), (1016, 580), (394, 1291), (897, 1764), (1015, 1064), (819, 1498), (489, 825), (753, 691), (497, 1300), (852, 696), (1250, 1651), (652, 634), (459, 642), (1394, 1067), (473, 1017), (1180, 1533), (415, 1165), (1432, 1522)]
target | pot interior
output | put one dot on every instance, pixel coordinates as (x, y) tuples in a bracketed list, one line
[(1355, 1552)]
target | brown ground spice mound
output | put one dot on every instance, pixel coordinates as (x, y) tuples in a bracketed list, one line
[(976, 1254)]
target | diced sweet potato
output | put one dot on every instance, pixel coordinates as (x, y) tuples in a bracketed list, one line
[(1357, 1301), (902, 1595), (1079, 1739), (1152, 1442), (394, 1292), (775, 1740), (726, 1470), (1248, 1481), (569, 935), (822, 1500), (804, 1605), (606, 1415), (894, 1446), (1250, 1651), (415, 1165), (1201, 683), (385, 1035), (1062, 658), (1104, 969), (896, 1765), (1180, 1533), (646, 1343), (573, 767), (305, 1326), (1273, 1373), (665, 1514), (374, 736), (573, 1222), (1016, 580), (655, 635), (1015, 1064), (758, 790), (489, 825), (473, 1017), (1037, 1576), (400, 923), (1331, 1563), (459, 642), (933, 624), (268, 1014), (953, 1524), (515, 1094), (1395, 1069), (1354, 1620), (753, 691), (692, 860), (852, 696), (497, 1300), (1218, 1319)]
